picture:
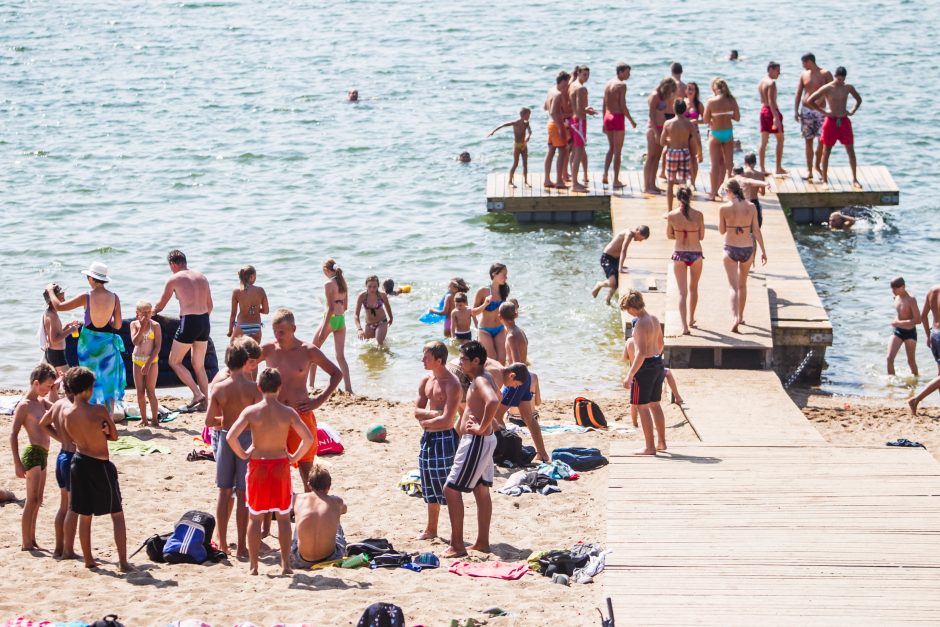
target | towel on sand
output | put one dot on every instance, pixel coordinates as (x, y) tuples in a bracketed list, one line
[(129, 445), (492, 570)]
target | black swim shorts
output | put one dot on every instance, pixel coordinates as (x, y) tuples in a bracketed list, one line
[(94, 484), (647, 384), (193, 328), (55, 357), (609, 264), (906, 334)]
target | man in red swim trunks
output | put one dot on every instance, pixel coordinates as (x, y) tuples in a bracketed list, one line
[(615, 111), (837, 127), (268, 482), (771, 120), (577, 124)]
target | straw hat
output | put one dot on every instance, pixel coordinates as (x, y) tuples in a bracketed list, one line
[(98, 271)]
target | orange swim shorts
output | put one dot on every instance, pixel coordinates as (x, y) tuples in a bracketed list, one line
[(556, 136), (293, 440)]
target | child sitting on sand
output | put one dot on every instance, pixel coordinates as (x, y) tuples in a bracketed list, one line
[(147, 339), (32, 464), (249, 302), (460, 318), (522, 132)]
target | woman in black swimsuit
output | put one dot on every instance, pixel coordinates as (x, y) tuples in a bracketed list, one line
[(737, 221), (378, 312)]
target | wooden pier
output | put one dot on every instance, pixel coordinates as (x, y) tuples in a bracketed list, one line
[(812, 202)]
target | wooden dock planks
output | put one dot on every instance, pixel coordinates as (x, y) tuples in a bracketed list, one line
[(877, 188)]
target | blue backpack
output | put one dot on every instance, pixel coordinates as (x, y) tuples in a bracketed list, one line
[(190, 542), (580, 459)]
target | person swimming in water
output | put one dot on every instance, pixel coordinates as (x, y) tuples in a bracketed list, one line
[(721, 111), (486, 304), (735, 218), (336, 294)]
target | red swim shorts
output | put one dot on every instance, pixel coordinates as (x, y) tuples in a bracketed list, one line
[(578, 131), (268, 486), (837, 130), (293, 440), (614, 121), (767, 121)]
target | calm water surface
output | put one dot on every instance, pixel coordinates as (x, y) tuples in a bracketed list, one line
[(130, 128)]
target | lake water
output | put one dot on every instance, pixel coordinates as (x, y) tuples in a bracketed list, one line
[(130, 128)]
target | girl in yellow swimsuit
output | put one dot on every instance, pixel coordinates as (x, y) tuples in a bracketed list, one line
[(334, 320), (147, 339)]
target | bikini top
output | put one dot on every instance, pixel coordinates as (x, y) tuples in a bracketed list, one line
[(739, 229), (494, 304), (374, 310), (107, 328), (685, 232), (692, 114), (661, 104)]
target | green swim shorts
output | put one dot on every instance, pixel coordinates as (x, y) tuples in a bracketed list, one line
[(337, 322), (34, 455)]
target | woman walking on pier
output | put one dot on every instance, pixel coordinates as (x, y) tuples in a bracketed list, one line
[(687, 227), (737, 221), (486, 303), (721, 111)]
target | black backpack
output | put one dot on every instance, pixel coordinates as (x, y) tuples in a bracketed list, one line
[(370, 547), (587, 413), (509, 452), (392, 559), (561, 561), (382, 615)]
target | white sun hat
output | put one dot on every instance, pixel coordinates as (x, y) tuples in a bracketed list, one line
[(98, 271)]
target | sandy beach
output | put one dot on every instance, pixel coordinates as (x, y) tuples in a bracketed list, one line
[(159, 488)]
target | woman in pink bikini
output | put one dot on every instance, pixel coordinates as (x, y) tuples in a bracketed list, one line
[(737, 221), (686, 226)]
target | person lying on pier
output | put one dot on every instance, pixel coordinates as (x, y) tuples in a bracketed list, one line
[(837, 126), (645, 379), (613, 257), (522, 132), (838, 220), (905, 326)]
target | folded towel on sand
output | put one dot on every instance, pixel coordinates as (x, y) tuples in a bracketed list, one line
[(566, 429), (492, 570), (129, 445)]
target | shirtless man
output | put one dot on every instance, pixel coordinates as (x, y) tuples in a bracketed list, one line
[(473, 464), (518, 385), (555, 104), (439, 396), (192, 291), (839, 221), (614, 256), (226, 401), (32, 464), (675, 72), (812, 78), (93, 477), (268, 485), (905, 326), (932, 331), (66, 521), (615, 112), (578, 97), (678, 139), (647, 373), (837, 127), (771, 120), (293, 360), (318, 533)]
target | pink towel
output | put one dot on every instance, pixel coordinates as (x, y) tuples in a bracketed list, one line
[(493, 570), (25, 622)]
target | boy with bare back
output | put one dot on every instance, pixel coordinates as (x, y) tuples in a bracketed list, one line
[(268, 480), (614, 256), (93, 477), (522, 132), (932, 331), (771, 120), (615, 112), (227, 399), (679, 138), (812, 78), (439, 396), (556, 103), (905, 326), (837, 126), (293, 360), (66, 521), (473, 463), (647, 373), (32, 464)]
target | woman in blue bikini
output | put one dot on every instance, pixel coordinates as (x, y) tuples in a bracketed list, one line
[(486, 303), (721, 111), (737, 221)]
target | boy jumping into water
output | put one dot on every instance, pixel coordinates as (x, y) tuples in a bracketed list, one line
[(522, 132), (32, 464), (268, 482), (614, 256), (93, 477), (905, 326)]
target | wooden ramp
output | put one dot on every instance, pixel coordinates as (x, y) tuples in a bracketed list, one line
[(812, 201)]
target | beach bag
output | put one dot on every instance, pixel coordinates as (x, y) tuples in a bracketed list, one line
[(391, 559), (369, 547), (328, 441), (382, 615), (190, 542), (561, 561), (509, 452), (580, 459), (587, 413), (154, 546)]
